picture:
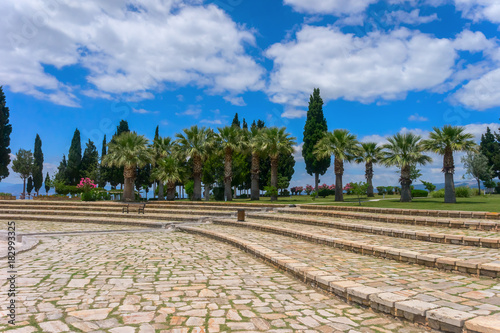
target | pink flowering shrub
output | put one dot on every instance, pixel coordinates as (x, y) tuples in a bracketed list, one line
[(86, 184), (309, 189)]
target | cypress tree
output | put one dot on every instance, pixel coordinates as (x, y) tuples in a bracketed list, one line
[(38, 165), (157, 132), (29, 187), (236, 121), (103, 170), (62, 171), (90, 161), (75, 159), (245, 125), (47, 183), (490, 148), (253, 126), (5, 131), (314, 129)]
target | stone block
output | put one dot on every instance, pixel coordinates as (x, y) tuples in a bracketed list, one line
[(361, 294), (484, 324), (447, 319), (384, 302), (340, 287), (414, 310)]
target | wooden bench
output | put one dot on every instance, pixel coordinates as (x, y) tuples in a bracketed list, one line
[(140, 208)]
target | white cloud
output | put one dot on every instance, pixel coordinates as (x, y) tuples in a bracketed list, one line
[(378, 65), (162, 42), (211, 121), (413, 17), (96, 94), (235, 100), (417, 117), (193, 111), (482, 93), (294, 114), (143, 111), (479, 10), (297, 152), (335, 7)]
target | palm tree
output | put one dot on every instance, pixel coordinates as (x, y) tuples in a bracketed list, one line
[(230, 140), (276, 141), (196, 143), (254, 143), (343, 146), (445, 142), (160, 149), (403, 151), (369, 153), (168, 170), (128, 150)]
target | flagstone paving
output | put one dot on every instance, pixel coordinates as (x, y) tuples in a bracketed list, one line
[(39, 226), (175, 282), (480, 296)]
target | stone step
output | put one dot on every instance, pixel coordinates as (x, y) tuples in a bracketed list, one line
[(410, 212), (429, 234), (476, 223), (387, 291), (455, 258)]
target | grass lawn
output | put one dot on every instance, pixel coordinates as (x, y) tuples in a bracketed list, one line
[(488, 203)]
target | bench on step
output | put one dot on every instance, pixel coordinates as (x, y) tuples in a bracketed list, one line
[(132, 206)]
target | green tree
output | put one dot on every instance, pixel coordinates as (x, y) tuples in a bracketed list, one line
[(403, 151), (255, 144), (244, 125), (477, 167), (359, 189), (213, 172), (103, 170), (169, 170), (128, 150), (369, 153), (197, 144), (445, 142), (62, 172), (30, 186), (428, 186), (90, 161), (23, 165), (343, 146), (160, 149), (314, 130), (229, 140), (115, 174), (74, 159), (47, 183), (236, 121), (490, 147), (276, 142), (38, 165), (143, 179), (5, 131)]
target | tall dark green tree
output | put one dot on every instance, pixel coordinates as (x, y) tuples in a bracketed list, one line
[(29, 187), (74, 159), (236, 121), (90, 161), (143, 181), (62, 171), (115, 174), (314, 130), (490, 148), (244, 125), (38, 165), (157, 132), (5, 130), (47, 183), (103, 170)]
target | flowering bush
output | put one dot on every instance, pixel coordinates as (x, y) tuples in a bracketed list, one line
[(349, 188), (296, 190), (86, 184), (309, 189)]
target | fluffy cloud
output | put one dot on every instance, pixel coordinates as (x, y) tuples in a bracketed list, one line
[(479, 10), (126, 47), (417, 117), (380, 65), (481, 93), (335, 7), (294, 114), (413, 17)]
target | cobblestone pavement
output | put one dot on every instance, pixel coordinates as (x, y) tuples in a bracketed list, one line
[(480, 296), (409, 227), (39, 226), (450, 250), (170, 282)]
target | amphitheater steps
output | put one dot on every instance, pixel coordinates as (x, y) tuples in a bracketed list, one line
[(469, 260), (466, 237), (441, 300), (459, 223)]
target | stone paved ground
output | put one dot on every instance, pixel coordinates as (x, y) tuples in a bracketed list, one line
[(450, 250), (38, 226), (480, 296), (170, 282)]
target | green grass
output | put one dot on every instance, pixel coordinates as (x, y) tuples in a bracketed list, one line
[(488, 203)]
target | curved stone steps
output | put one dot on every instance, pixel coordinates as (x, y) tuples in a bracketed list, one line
[(393, 289)]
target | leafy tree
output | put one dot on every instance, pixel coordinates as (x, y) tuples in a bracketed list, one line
[(490, 147), (196, 143), (160, 149), (403, 151), (369, 153), (90, 161), (236, 121), (115, 174), (47, 183), (359, 189), (62, 171), (314, 130), (143, 179), (23, 165), (74, 159), (213, 173), (276, 142), (445, 142), (415, 173), (477, 167), (343, 146), (128, 150), (30, 186), (229, 140), (428, 186), (38, 165), (169, 171), (5, 131)]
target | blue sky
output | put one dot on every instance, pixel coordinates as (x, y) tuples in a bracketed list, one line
[(382, 67)]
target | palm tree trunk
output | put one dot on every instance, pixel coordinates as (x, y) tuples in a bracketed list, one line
[(405, 184), (171, 191), (369, 178), (449, 169), (161, 194), (274, 175), (228, 174), (129, 173), (197, 169), (339, 171), (316, 183), (255, 192)]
